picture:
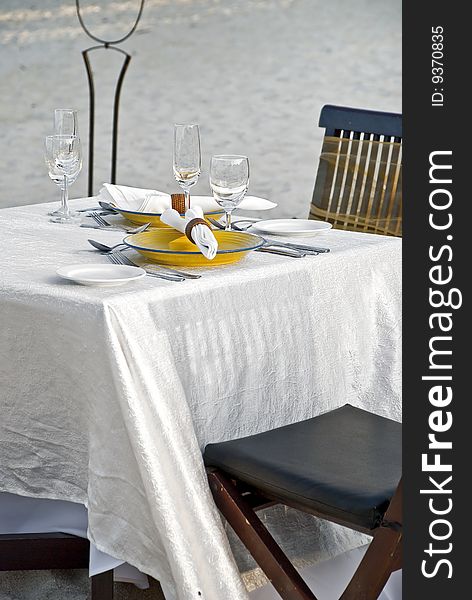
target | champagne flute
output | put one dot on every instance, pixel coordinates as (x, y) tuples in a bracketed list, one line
[(229, 180), (65, 123), (187, 157), (63, 158)]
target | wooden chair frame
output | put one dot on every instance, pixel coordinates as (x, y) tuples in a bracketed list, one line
[(238, 503), (45, 551), (362, 128), (335, 119)]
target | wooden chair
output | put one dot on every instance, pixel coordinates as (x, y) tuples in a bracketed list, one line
[(343, 466), (48, 551), (359, 180)]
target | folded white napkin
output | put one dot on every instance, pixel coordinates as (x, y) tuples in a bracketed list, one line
[(201, 234), (142, 200), (135, 199)]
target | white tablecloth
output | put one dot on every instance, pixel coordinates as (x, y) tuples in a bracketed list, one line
[(20, 514), (108, 395)]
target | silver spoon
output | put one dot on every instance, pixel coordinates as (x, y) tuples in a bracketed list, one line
[(106, 249), (103, 247), (107, 206), (104, 205)]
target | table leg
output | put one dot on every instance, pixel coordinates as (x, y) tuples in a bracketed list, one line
[(102, 586)]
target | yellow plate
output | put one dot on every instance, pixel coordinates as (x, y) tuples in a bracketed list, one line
[(154, 218), (170, 247)]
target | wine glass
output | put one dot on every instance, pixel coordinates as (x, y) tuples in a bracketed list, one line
[(187, 157), (63, 158), (65, 123), (229, 180)]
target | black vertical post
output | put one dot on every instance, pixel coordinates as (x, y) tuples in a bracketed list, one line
[(107, 45)]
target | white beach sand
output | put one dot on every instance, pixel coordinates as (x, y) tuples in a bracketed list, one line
[(253, 73)]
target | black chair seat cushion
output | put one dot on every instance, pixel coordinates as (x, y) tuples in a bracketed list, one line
[(344, 464)]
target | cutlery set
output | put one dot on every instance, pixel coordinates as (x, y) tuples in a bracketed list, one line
[(105, 206), (270, 245), (117, 256), (101, 223)]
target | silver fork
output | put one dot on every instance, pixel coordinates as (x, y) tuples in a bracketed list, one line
[(182, 274), (106, 249), (96, 216), (119, 259), (250, 223), (107, 226)]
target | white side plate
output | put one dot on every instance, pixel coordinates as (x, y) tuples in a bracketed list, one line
[(101, 275), (301, 227), (247, 203)]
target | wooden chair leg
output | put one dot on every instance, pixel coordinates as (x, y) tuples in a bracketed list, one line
[(398, 560), (382, 557), (265, 550), (102, 586)]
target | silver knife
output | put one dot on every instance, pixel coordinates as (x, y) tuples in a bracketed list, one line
[(104, 227), (304, 248), (317, 249), (281, 251)]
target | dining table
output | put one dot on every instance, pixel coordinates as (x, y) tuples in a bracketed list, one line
[(109, 395)]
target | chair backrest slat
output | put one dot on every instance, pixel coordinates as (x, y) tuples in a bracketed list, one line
[(336, 118), (358, 184)]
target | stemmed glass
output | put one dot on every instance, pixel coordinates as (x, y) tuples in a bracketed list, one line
[(187, 157), (229, 180), (63, 158), (65, 123)]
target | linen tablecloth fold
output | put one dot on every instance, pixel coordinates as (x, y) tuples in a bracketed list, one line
[(98, 431), (173, 503)]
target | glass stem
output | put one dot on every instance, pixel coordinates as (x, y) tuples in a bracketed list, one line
[(187, 199), (228, 221), (65, 196)]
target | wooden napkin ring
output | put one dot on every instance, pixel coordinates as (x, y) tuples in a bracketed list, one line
[(191, 224), (178, 203)]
